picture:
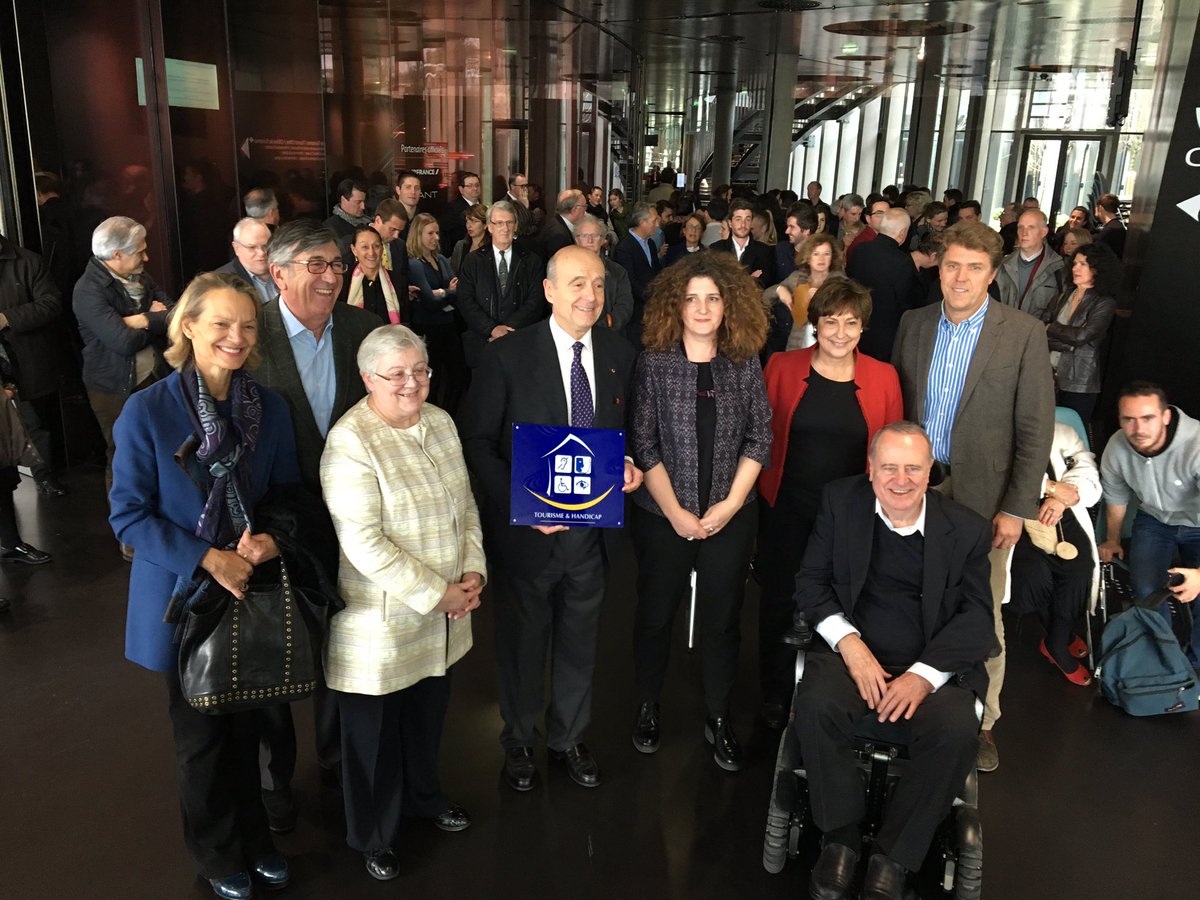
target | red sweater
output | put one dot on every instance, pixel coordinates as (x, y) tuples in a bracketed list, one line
[(787, 379)]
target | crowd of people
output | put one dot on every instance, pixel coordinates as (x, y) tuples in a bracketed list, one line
[(853, 401)]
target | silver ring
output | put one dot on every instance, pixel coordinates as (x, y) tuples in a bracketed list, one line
[(711, 529), (690, 538)]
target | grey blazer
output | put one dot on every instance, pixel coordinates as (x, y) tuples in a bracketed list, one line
[(277, 370), (1004, 425)]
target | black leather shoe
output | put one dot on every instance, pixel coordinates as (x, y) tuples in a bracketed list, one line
[(281, 810), (453, 818), (233, 887), (382, 864), (520, 772), (885, 879), (271, 872), (580, 765), (833, 873), (727, 753), (645, 732), (24, 553), (51, 487)]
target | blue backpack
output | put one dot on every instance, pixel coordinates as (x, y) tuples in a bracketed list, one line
[(1142, 668)]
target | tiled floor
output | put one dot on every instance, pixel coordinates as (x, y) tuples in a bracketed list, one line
[(1088, 803)]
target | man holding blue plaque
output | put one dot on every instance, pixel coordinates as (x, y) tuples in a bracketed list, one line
[(549, 579)]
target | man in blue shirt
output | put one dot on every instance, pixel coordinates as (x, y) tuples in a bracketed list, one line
[(308, 344), (976, 374)]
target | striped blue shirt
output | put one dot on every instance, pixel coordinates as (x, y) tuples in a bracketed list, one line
[(952, 352), (314, 362)]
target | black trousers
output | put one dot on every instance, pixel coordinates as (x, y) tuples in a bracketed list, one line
[(389, 759), (39, 416), (277, 754), (10, 534), (782, 536), (942, 743), (557, 610), (451, 375), (224, 822), (1056, 589), (665, 563)]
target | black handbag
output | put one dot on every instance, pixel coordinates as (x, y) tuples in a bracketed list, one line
[(244, 654)]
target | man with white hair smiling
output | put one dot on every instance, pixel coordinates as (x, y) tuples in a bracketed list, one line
[(250, 239)]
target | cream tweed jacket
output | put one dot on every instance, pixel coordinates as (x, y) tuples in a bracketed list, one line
[(408, 527)]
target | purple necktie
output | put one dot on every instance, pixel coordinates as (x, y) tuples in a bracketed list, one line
[(581, 391)]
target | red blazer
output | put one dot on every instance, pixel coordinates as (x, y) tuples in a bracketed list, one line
[(787, 379)]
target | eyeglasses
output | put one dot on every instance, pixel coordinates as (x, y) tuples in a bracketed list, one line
[(507, 224), (587, 236), (524, 184), (318, 266), (421, 374)]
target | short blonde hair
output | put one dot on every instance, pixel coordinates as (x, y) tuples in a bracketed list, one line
[(190, 307)]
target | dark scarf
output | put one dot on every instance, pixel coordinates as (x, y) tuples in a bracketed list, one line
[(225, 450)]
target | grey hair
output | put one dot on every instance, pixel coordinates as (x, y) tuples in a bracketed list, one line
[(259, 202), (118, 234), (848, 200), (901, 427), (296, 238), (589, 219), (240, 228), (640, 213), (388, 339), (894, 222), (501, 206), (567, 201)]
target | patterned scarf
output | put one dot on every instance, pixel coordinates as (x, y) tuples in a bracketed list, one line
[(389, 293), (225, 450)]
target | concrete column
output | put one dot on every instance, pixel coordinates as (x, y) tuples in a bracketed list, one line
[(918, 159), (774, 168), (723, 128)]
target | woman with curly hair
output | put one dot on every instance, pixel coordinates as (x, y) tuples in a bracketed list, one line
[(1077, 324), (701, 431)]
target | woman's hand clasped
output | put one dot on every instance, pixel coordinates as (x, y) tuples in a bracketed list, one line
[(256, 549), (688, 526), (1051, 511), (231, 571), (461, 597)]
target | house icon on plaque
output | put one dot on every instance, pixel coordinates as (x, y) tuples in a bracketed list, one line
[(570, 477)]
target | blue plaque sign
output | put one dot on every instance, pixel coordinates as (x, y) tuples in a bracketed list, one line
[(568, 476)]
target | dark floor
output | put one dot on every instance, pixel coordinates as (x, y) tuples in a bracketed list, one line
[(1087, 803)]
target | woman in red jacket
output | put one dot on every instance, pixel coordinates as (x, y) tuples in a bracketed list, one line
[(827, 402)]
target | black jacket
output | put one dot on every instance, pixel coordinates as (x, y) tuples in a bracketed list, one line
[(483, 306), (956, 596), (452, 226), (1080, 340), (885, 268), (757, 257), (109, 345), (34, 340)]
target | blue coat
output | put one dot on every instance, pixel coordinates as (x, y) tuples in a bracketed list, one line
[(155, 505)]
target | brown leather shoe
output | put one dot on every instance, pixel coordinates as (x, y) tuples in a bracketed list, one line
[(885, 879), (833, 873)]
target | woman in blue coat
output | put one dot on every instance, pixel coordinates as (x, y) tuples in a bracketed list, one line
[(176, 513)]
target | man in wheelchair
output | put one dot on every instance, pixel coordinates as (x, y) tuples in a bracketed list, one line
[(895, 582)]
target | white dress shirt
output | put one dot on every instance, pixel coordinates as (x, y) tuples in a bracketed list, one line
[(564, 346)]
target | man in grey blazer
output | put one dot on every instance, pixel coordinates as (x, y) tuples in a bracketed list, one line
[(976, 374), (308, 345)]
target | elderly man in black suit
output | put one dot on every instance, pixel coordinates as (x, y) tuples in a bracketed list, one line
[(977, 375), (559, 230), (550, 581), (895, 582), (500, 286), (885, 268), (756, 257), (250, 239), (640, 257), (308, 344)]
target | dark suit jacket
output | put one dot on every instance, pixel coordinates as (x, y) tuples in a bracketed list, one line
[(453, 224), (277, 370), (483, 307), (757, 256), (630, 257), (956, 596), (34, 339), (1004, 425), (554, 236), (885, 269), (518, 380)]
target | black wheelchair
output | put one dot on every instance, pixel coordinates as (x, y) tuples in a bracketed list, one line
[(954, 864)]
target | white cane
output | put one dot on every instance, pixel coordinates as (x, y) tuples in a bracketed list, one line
[(692, 615)]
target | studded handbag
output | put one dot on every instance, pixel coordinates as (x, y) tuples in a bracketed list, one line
[(244, 654)]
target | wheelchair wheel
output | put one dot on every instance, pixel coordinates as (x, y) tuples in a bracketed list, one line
[(787, 809), (968, 876)]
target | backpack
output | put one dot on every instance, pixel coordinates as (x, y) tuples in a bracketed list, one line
[(1142, 668)]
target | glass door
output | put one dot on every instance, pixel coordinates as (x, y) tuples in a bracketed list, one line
[(1060, 171)]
